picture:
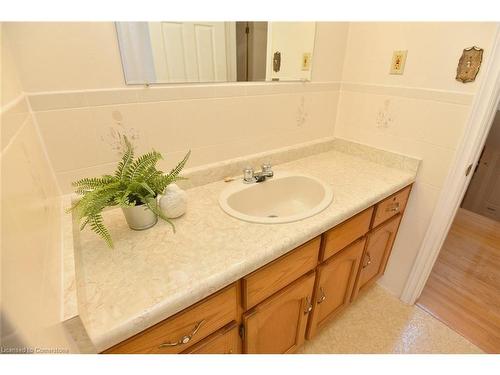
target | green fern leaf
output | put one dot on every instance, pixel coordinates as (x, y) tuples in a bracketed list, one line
[(89, 184), (148, 188), (178, 168), (96, 224), (84, 223), (143, 163), (153, 206), (126, 161)]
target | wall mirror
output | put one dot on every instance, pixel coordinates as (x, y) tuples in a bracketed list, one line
[(177, 52)]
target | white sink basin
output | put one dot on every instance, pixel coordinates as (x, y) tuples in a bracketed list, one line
[(282, 199)]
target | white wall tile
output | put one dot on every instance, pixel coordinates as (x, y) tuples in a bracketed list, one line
[(218, 129), (31, 242), (421, 128)]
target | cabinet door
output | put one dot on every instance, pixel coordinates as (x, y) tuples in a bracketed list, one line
[(334, 285), (378, 248), (278, 325), (224, 341)]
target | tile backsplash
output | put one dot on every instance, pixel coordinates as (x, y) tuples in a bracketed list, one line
[(217, 122)]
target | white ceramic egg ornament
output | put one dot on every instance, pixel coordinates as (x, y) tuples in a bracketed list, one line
[(173, 202)]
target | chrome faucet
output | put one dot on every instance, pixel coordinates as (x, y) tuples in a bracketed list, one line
[(250, 176)]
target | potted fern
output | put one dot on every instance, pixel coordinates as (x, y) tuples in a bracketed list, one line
[(134, 187)]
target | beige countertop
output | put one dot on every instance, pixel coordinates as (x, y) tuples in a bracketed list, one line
[(153, 274)]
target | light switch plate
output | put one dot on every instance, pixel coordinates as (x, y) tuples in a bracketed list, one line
[(306, 61), (398, 62)]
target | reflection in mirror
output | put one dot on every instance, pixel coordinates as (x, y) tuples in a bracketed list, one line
[(177, 52)]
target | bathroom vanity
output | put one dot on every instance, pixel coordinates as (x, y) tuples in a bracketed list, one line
[(225, 285), (275, 308)]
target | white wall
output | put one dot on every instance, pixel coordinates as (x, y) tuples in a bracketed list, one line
[(292, 40), (421, 113), (330, 44), (30, 225), (66, 66)]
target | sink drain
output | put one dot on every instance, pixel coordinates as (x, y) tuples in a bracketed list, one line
[(272, 215)]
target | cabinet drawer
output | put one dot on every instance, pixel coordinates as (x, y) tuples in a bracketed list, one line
[(345, 233), (276, 275), (186, 328), (225, 341), (391, 206)]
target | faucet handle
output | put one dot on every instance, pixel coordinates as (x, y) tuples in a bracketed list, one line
[(266, 167), (248, 174)]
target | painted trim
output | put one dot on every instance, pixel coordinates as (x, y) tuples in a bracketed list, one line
[(483, 110), (57, 100), (446, 96)]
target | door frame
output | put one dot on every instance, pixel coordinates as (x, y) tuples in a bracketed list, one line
[(483, 110)]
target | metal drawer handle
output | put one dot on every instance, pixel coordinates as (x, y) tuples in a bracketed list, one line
[(309, 306), (393, 208), (369, 260), (184, 339), (323, 296)]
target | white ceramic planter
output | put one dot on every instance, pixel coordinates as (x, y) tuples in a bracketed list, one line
[(139, 217)]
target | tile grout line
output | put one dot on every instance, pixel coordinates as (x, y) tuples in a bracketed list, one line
[(7, 107), (16, 134)]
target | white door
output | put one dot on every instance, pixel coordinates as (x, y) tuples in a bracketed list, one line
[(189, 51), (483, 195)]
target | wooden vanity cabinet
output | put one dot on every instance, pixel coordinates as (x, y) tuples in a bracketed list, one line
[(274, 308), (278, 325), (376, 254), (334, 285)]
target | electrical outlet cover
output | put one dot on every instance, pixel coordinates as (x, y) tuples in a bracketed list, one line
[(398, 62)]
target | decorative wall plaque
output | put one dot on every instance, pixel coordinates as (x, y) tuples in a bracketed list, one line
[(277, 61), (469, 64)]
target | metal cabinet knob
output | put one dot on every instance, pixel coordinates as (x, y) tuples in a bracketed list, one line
[(322, 297), (309, 306), (393, 208), (369, 260)]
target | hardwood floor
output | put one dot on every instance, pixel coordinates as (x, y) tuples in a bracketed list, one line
[(463, 290)]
